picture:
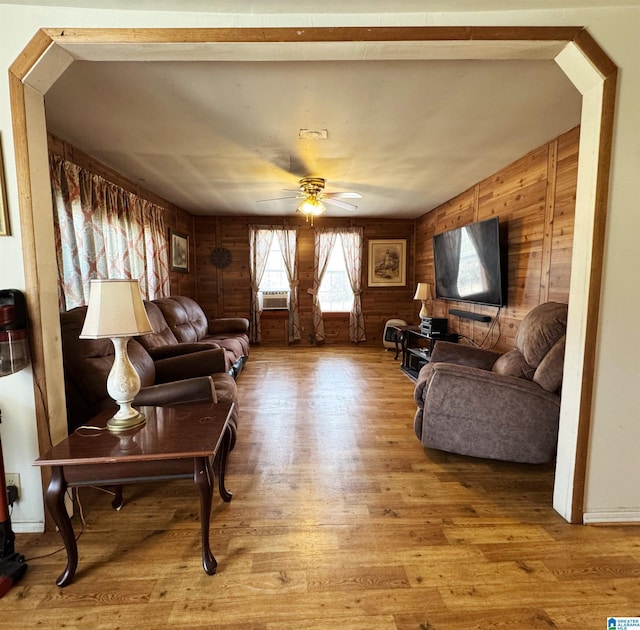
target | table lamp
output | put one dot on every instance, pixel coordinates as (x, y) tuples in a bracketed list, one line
[(116, 311), (423, 293)]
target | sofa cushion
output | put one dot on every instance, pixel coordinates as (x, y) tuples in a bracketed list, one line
[(162, 334), (549, 372), (512, 363), (179, 320), (194, 316), (233, 345), (540, 330)]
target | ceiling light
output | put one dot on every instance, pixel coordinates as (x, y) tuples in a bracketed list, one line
[(311, 207)]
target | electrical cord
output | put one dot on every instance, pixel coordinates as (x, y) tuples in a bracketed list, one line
[(497, 318), (472, 342), (82, 528), (83, 523), (495, 321), (88, 427)]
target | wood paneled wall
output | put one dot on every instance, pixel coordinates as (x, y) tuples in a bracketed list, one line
[(535, 198), (225, 292), (175, 218)]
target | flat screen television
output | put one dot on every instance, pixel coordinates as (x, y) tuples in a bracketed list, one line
[(468, 263)]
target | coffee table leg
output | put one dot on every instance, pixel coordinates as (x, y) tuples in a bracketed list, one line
[(220, 462), (203, 478), (55, 502)]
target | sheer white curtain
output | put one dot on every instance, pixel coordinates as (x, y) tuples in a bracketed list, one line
[(325, 239), (260, 239), (288, 239), (352, 245), (102, 231), (352, 248)]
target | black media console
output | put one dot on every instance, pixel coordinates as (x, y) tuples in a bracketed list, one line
[(418, 343)]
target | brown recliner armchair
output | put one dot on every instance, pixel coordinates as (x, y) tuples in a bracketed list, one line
[(168, 380), (498, 406)]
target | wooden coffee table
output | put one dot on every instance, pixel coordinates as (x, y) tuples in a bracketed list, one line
[(183, 442)]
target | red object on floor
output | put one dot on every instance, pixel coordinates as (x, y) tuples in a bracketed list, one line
[(5, 585)]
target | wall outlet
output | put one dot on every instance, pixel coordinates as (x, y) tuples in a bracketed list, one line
[(13, 479)]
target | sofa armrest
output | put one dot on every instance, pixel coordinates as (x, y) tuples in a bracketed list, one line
[(448, 352), (186, 391), (455, 353), (422, 382), (190, 365), (228, 325), (178, 349)]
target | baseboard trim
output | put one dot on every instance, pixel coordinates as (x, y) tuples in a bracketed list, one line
[(610, 518), (28, 527)]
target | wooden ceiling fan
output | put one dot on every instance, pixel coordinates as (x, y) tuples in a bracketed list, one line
[(314, 197)]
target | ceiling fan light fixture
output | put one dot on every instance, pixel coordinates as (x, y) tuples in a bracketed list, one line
[(311, 207)]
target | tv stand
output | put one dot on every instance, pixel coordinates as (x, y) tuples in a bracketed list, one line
[(417, 347), (478, 317)]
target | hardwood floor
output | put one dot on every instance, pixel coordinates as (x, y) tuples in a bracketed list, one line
[(339, 518)]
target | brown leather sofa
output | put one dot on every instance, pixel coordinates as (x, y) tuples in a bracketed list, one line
[(179, 376), (180, 320), (497, 406)]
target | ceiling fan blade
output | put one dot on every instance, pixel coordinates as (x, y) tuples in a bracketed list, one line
[(344, 195), (338, 203), (278, 198)]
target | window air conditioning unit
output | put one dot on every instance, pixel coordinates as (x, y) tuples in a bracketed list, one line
[(272, 300)]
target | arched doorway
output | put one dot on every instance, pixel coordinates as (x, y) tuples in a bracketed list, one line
[(51, 51)]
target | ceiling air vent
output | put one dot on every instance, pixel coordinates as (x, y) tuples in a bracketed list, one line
[(313, 134)]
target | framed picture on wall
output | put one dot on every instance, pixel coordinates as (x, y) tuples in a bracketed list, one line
[(388, 262), (179, 251)]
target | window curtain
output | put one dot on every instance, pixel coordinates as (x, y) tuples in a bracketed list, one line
[(103, 231), (325, 239), (352, 248), (260, 239), (288, 239)]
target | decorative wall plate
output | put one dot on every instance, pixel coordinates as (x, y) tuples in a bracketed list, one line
[(220, 257)]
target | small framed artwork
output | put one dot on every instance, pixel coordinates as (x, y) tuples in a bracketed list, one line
[(4, 210), (388, 263), (179, 251)]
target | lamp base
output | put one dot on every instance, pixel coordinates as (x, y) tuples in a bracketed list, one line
[(423, 311), (118, 425)]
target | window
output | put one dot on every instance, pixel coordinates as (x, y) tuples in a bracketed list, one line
[(275, 273), (335, 294)]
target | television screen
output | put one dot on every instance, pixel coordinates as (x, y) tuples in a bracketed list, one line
[(468, 265)]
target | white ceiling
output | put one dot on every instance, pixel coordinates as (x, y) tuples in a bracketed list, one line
[(214, 137)]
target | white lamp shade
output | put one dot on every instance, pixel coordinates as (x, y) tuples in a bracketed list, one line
[(423, 291), (115, 310)]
